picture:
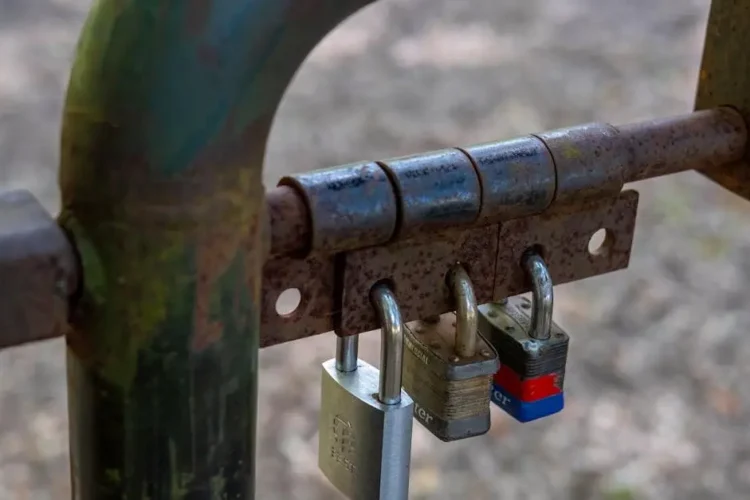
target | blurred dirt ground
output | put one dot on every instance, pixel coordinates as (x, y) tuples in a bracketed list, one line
[(658, 400)]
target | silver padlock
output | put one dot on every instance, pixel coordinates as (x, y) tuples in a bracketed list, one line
[(365, 417)]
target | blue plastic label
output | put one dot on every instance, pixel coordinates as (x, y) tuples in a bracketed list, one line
[(527, 412)]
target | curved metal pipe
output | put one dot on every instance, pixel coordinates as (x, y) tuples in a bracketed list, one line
[(168, 110)]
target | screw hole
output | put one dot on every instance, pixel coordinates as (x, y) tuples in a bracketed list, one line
[(288, 302), (601, 242)]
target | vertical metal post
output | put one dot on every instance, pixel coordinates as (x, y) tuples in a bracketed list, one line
[(168, 110), (725, 79)]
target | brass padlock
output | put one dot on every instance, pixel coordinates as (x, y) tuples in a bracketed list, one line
[(448, 367)]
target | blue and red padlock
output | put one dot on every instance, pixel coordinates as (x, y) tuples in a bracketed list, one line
[(531, 348)]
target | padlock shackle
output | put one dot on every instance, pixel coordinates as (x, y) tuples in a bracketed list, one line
[(392, 344), (467, 314), (542, 294), (347, 351)]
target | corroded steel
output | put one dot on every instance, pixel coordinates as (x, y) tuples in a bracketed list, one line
[(725, 79), (288, 220), (564, 241), (589, 159), (520, 177), (517, 176), (349, 207), (315, 278), (417, 268), (436, 190), (517, 180), (168, 110), (699, 141), (38, 271)]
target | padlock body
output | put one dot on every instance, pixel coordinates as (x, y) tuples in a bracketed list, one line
[(531, 389), (451, 394), (508, 325), (530, 381), (525, 411), (365, 446)]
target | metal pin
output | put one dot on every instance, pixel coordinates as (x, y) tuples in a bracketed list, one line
[(346, 353)]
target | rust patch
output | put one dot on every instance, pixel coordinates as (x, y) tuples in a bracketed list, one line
[(725, 79), (589, 161), (350, 206), (703, 140), (435, 190), (417, 268), (564, 238), (38, 272), (290, 223), (517, 176), (314, 277)]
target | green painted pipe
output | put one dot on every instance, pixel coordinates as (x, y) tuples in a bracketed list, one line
[(168, 110)]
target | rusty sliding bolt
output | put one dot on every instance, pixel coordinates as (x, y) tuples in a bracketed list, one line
[(372, 204), (512, 179)]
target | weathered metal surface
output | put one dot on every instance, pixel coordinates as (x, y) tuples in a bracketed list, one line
[(725, 79), (517, 180), (167, 114), (315, 278), (517, 176), (349, 207), (698, 141), (335, 289), (589, 161), (417, 269), (37, 271), (289, 221), (564, 241), (435, 190)]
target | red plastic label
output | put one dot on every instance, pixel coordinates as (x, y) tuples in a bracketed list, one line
[(531, 389)]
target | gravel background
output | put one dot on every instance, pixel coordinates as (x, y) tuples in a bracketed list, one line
[(657, 407)]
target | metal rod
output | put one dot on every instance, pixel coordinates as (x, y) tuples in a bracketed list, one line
[(700, 140), (392, 344), (347, 351), (164, 135), (467, 314), (705, 140), (542, 293)]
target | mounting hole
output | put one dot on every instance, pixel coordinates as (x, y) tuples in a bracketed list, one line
[(288, 302), (601, 242)]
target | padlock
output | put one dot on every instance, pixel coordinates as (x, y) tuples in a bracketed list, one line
[(532, 348), (448, 367), (366, 419)]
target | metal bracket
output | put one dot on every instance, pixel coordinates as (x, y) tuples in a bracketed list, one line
[(417, 268), (37, 271)]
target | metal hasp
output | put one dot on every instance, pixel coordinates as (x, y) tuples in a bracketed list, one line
[(725, 79), (38, 272), (168, 110)]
